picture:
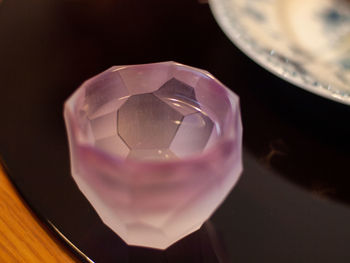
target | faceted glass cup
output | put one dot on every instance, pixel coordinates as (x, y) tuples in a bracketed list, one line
[(155, 148)]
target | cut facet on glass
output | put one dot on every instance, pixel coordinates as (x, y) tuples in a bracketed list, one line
[(113, 145), (192, 135), (155, 148), (100, 92), (144, 78), (146, 122), (179, 96), (104, 126)]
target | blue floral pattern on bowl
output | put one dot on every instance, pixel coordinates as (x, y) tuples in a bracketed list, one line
[(304, 42)]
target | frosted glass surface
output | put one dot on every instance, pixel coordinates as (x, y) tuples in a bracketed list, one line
[(155, 148)]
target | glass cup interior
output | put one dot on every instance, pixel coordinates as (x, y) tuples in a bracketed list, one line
[(173, 120)]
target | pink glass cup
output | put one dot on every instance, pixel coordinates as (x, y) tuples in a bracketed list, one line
[(155, 149)]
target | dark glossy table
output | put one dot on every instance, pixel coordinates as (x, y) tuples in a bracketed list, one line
[(292, 202)]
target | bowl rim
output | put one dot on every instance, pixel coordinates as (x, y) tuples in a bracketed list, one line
[(314, 86)]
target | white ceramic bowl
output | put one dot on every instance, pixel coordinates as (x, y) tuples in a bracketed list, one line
[(304, 42)]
